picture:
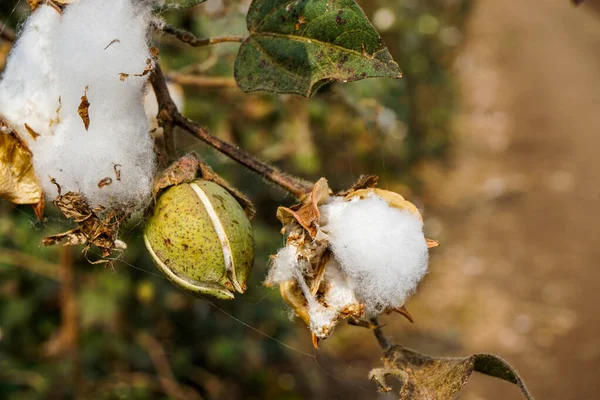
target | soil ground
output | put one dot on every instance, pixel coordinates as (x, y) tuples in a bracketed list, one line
[(516, 205)]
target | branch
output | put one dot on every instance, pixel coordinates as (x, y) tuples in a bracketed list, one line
[(169, 112), (203, 81), (384, 342), (189, 38)]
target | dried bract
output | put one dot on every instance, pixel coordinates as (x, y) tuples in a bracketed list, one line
[(98, 227), (18, 183)]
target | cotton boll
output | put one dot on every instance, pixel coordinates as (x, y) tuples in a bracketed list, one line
[(28, 89), (381, 247), (83, 52), (95, 42)]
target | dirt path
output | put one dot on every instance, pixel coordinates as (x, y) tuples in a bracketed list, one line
[(519, 211)]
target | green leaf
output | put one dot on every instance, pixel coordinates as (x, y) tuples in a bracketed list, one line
[(168, 5), (424, 377), (298, 46)]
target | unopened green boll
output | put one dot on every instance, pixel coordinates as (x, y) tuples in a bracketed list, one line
[(201, 239)]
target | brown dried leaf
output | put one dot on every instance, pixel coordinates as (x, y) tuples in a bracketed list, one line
[(34, 4), (154, 53), (18, 183), (149, 67), (123, 76), (74, 237), (428, 378), (105, 182), (58, 5), (31, 132), (72, 205), (431, 243), (96, 227), (117, 169), (38, 208), (84, 109), (363, 182), (307, 214)]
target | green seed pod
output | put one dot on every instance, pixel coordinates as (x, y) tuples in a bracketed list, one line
[(201, 239)]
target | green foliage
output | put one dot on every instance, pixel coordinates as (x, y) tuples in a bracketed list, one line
[(298, 46)]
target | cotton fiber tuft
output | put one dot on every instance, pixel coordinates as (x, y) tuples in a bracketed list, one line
[(57, 60), (382, 248), (352, 256)]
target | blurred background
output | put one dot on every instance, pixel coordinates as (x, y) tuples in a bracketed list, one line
[(492, 132)]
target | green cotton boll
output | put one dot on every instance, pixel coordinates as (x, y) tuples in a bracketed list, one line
[(201, 239)]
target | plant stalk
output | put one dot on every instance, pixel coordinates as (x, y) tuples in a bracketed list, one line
[(383, 341), (189, 38)]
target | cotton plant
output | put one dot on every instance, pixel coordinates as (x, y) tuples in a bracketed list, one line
[(353, 256), (76, 132)]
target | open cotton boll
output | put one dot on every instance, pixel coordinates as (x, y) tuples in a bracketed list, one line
[(28, 88), (95, 42), (382, 248)]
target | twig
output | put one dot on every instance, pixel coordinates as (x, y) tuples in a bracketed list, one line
[(384, 342), (169, 138), (203, 81), (169, 112), (8, 34), (163, 369), (189, 38)]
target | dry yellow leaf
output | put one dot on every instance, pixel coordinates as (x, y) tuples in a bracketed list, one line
[(18, 183)]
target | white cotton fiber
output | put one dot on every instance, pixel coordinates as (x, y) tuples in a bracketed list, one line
[(29, 91), (383, 249), (339, 297), (284, 265), (93, 42)]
